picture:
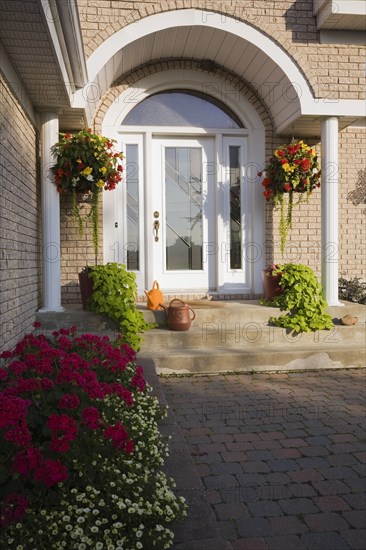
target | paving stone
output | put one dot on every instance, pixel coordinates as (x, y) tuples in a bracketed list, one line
[(255, 466), (324, 541), (246, 437), (220, 482), (331, 503), (360, 469), (356, 538), (342, 472), (313, 450), (342, 438), (268, 444), (227, 511), (338, 460), (272, 435), (288, 542), (361, 456), (223, 468), (318, 440), (203, 470), (327, 521), (277, 478), (356, 518), (238, 446), (286, 453), (331, 487), (356, 501), (356, 484), (227, 530), (221, 438), (294, 442), (293, 433), (257, 543), (233, 456), (338, 448), (255, 527), (210, 447), (206, 458), (259, 455), (288, 525), (285, 465), (295, 506), (306, 475), (264, 508), (312, 462)]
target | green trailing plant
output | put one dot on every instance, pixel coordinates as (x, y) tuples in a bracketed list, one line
[(303, 300), (114, 294)]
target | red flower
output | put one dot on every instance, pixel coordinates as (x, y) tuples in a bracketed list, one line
[(26, 461), (287, 187), (51, 472), (267, 194), (12, 509), (69, 401), (305, 165), (266, 182), (91, 418), (118, 434)]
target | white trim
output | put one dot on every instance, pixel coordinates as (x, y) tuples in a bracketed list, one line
[(17, 86), (329, 206), (51, 249), (185, 80), (193, 17)]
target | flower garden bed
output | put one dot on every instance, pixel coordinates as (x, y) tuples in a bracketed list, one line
[(81, 452)]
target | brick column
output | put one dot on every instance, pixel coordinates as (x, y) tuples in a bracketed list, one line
[(50, 217), (329, 209)]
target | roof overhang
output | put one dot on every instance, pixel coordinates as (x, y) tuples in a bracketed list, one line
[(238, 47), (341, 14)]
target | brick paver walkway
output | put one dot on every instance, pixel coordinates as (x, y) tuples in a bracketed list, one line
[(281, 456)]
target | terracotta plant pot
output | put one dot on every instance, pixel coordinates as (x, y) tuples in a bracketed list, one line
[(86, 288), (271, 285)]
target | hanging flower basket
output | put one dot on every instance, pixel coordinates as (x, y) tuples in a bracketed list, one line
[(86, 164), (292, 169)]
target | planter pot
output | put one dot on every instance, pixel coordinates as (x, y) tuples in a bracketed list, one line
[(271, 285), (86, 288)]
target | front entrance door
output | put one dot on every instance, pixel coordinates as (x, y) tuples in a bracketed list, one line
[(182, 222)]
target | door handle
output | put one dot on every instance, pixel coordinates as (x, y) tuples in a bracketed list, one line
[(156, 230)]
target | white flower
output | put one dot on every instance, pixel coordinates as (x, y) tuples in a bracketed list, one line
[(99, 546), (139, 545), (94, 529)]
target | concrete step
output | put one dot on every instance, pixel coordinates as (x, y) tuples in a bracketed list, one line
[(250, 335), (243, 311), (258, 359)]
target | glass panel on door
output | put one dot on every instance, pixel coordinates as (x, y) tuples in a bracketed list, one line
[(183, 208), (132, 206), (235, 208)]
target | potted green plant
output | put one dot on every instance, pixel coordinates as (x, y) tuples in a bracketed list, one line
[(293, 168), (271, 277), (86, 164), (302, 299)]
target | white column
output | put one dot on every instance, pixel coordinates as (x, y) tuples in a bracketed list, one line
[(329, 209), (51, 250)]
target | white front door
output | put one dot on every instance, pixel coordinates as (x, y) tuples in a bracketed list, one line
[(182, 224)]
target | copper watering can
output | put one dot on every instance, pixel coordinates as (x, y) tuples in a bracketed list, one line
[(179, 317)]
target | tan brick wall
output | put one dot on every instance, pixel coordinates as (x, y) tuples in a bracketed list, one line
[(333, 70), (20, 250), (352, 202)]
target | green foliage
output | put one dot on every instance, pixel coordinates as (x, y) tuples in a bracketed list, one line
[(353, 290), (114, 295), (302, 299)]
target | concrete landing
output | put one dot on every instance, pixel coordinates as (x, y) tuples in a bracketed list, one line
[(233, 336)]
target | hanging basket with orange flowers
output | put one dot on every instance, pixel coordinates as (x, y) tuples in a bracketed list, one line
[(86, 163), (293, 168)]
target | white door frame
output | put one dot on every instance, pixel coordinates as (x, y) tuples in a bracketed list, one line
[(254, 132)]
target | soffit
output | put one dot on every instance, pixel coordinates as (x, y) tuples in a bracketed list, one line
[(29, 46), (207, 45)]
